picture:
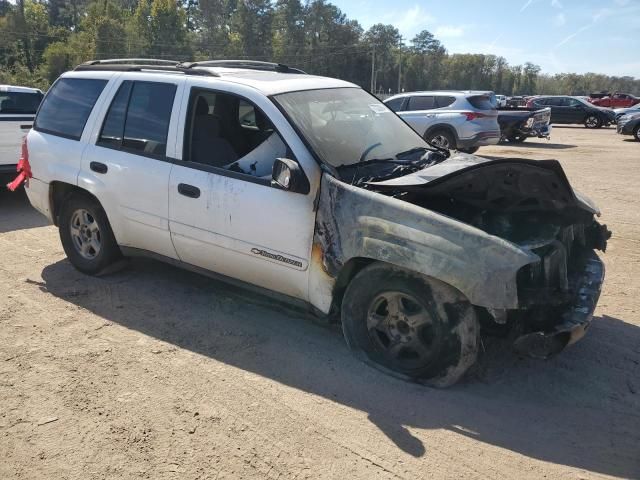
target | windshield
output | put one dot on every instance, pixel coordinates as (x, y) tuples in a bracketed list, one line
[(347, 125)]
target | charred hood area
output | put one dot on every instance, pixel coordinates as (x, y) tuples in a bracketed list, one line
[(527, 202)]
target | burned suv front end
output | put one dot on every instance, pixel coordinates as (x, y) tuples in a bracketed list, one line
[(531, 205)]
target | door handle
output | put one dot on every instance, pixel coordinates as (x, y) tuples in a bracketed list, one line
[(188, 190), (98, 167)]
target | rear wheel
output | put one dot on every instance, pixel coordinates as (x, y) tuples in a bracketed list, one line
[(86, 235), (441, 139), (636, 133), (593, 121), (410, 325)]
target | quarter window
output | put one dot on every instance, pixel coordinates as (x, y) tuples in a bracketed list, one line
[(442, 102), (67, 106)]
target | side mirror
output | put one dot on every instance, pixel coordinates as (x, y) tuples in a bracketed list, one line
[(287, 175)]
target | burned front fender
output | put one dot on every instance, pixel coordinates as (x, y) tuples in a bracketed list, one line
[(352, 222)]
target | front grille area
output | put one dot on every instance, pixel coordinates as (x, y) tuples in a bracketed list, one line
[(549, 280)]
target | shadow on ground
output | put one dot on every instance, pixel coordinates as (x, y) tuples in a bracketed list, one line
[(579, 409), (542, 145), (16, 213)]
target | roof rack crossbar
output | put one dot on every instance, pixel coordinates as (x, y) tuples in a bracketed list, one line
[(248, 64), (132, 61), (143, 68)]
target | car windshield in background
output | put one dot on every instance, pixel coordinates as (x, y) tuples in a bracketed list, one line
[(19, 102), (482, 102), (346, 125)]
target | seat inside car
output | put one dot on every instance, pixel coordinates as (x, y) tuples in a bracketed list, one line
[(207, 146)]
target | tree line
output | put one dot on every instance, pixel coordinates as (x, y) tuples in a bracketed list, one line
[(40, 39)]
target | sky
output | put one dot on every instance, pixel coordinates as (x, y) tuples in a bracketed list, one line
[(580, 36)]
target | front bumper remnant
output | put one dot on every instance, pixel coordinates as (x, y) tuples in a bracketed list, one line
[(574, 321)]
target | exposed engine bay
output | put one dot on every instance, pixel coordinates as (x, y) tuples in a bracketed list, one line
[(528, 203)]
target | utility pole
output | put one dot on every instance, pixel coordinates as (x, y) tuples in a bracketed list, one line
[(373, 69), (400, 65)]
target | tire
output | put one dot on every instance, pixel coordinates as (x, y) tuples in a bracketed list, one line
[(469, 150), (442, 139), (636, 133), (86, 235), (433, 338), (593, 121)]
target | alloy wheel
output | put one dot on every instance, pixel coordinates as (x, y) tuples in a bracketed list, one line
[(402, 329), (85, 233)]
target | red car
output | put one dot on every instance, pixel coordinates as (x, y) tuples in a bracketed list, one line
[(616, 100)]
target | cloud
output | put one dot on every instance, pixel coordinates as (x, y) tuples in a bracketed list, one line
[(449, 31), (559, 20), (556, 4)]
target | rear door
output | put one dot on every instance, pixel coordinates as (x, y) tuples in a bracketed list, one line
[(17, 110), (128, 162)]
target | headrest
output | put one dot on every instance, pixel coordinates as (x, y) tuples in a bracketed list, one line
[(202, 107), (262, 122)]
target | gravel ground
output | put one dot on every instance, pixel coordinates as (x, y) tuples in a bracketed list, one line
[(158, 373)]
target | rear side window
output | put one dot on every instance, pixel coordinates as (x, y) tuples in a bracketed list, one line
[(67, 106), (395, 104), (138, 118), (481, 102), (421, 103), (442, 102), (19, 102)]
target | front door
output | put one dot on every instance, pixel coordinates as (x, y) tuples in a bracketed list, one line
[(128, 167), (224, 215)]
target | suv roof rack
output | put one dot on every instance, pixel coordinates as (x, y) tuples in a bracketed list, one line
[(247, 64), (141, 64)]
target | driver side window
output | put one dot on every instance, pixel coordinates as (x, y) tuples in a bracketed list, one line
[(228, 132)]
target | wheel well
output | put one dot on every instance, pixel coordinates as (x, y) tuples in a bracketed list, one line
[(348, 271), (59, 192)]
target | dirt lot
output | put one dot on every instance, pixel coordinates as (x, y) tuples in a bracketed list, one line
[(157, 373)]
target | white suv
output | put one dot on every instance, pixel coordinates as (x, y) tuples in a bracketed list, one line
[(311, 189), (18, 106), (449, 119)]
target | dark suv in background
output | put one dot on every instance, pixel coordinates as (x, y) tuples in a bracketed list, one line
[(572, 110)]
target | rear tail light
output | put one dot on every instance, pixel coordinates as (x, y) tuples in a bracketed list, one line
[(473, 115)]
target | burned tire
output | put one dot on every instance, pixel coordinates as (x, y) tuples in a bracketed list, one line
[(410, 325), (441, 139), (593, 121), (86, 235)]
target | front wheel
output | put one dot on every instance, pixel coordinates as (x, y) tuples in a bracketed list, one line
[(86, 235), (636, 133), (410, 325), (593, 121)]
